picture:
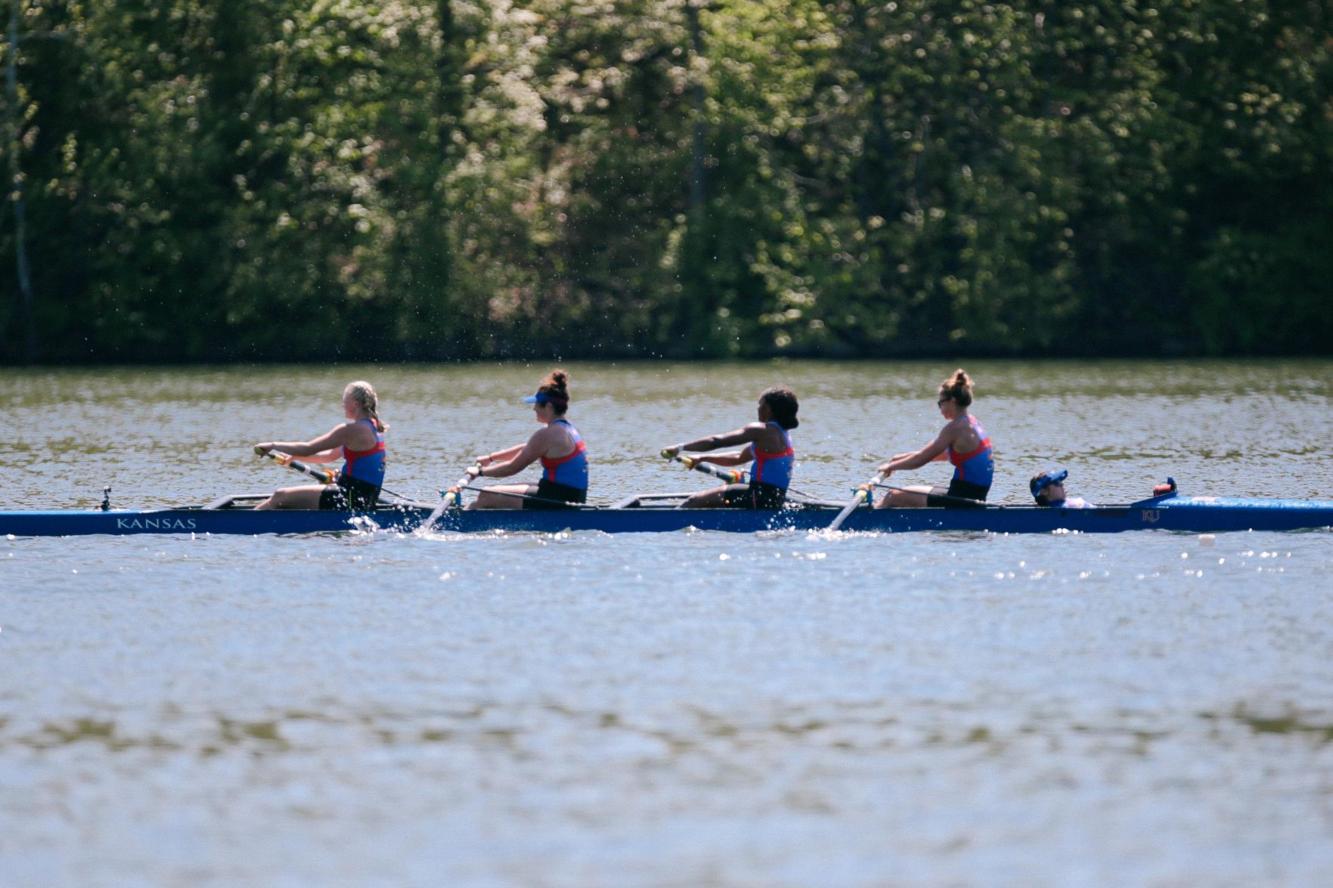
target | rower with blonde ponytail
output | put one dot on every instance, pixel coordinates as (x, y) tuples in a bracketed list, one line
[(363, 393), (358, 442)]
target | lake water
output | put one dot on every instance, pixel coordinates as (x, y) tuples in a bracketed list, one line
[(677, 709)]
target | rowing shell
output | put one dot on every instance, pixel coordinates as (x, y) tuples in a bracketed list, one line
[(235, 515)]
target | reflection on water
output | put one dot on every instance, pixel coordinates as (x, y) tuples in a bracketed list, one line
[(675, 709), (848, 728)]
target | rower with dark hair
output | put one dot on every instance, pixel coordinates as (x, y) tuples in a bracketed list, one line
[(962, 441), (770, 450), (563, 455)]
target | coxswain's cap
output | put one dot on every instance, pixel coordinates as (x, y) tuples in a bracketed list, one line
[(1046, 479)]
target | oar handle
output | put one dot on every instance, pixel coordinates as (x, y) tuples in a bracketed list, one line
[(731, 476)]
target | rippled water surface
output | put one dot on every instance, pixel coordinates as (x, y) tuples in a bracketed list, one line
[(678, 709)]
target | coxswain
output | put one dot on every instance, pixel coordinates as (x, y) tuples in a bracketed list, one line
[(1048, 489)]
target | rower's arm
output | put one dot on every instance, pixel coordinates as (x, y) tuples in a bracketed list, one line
[(738, 458), (326, 448), (934, 450), (744, 435), (943, 454), (500, 455), (526, 455)]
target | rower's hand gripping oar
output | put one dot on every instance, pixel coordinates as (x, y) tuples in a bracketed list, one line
[(324, 476), (454, 495), (861, 496), (731, 476)]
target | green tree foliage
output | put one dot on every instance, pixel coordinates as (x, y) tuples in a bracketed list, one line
[(473, 178)]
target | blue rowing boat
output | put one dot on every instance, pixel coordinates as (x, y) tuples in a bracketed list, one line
[(657, 514)]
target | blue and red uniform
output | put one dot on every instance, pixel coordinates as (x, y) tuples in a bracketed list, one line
[(972, 471), (362, 475), (564, 478), (770, 476), (773, 469), (366, 466)]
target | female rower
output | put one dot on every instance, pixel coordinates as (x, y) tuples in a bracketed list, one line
[(962, 441), (359, 442), (557, 444), (769, 449)]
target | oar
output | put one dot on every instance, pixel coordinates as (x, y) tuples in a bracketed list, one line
[(451, 498), (856, 501), (322, 475), (732, 476), (325, 476)]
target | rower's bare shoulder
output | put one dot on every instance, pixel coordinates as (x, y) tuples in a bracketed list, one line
[(554, 441), (953, 428), (757, 433), (355, 435)]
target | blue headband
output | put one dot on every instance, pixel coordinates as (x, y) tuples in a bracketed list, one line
[(544, 398)]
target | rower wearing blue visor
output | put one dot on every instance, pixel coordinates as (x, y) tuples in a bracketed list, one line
[(557, 444), (1048, 489)]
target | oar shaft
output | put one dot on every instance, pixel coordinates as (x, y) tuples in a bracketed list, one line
[(320, 474), (326, 476), (452, 498), (732, 476), (856, 501)]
